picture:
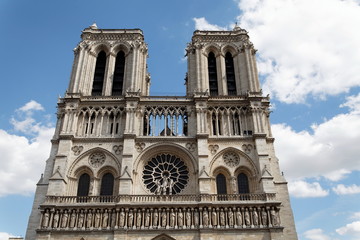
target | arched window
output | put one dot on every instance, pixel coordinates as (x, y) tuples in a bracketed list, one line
[(230, 74), (83, 185), (118, 79), (99, 74), (221, 184), (243, 183), (213, 84), (107, 185)]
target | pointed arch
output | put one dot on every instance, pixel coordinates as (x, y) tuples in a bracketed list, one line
[(119, 72), (212, 74), (99, 74), (163, 237), (230, 74)]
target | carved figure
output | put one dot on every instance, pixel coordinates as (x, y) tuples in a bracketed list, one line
[(138, 219), (105, 219), (163, 218), (214, 217), (158, 186), (205, 218), (122, 218), (188, 218), (247, 218), (64, 219), (130, 218), (264, 217), (81, 219), (172, 218), (231, 217), (97, 219), (274, 218), (72, 219), (255, 218), (222, 218), (46, 218), (56, 219), (89, 219), (180, 218), (147, 218), (113, 219), (238, 218), (156, 218), (196, 217)]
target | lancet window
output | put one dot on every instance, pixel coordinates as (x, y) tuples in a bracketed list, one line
[(165, 121), (118, 79), (99, 74), (230, 74), (83, 185), (230, 121), (243, 183), (213, 81), (221, 184), (107, 185), (100, 121)]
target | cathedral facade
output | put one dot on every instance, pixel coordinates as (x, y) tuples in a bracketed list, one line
[(126, 165)]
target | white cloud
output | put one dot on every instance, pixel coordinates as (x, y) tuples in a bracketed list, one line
[(31, 106), (355, 215), (329, 151), (5, 235), (305, 47), (352, 102), (316, 234), (341, 189), (350, 229), (302, 189), (202, 24), (23, 159)]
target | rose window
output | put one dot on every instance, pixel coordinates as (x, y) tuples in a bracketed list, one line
[(165, 174)]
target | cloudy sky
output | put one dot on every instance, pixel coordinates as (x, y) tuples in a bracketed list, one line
[(308, 59)]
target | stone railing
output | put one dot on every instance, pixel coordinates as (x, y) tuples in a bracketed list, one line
[(236, 216), (262, 197)]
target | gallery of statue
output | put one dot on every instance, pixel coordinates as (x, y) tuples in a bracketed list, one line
[(126, 165)]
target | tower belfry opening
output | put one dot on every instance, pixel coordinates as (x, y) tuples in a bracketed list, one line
[(126, 165)]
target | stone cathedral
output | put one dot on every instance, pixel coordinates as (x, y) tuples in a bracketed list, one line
[(126, 165)]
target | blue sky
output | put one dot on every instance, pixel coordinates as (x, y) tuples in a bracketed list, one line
[(308, 58)]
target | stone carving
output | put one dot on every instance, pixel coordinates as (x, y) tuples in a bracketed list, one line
[(156, 218), (138, 219), (97, 159), (191, 146), (122, 218), (247, 148), (172, 218), (117, 149), (274, 218), (213, 148), (231, 217), (205, 218), (188, 218), (247, 218), (105, 220), (77, 150), (130, 218), (238, 217), (46, 219), (163, 218), (113, 219), (180, 218), (64, 219), (255, 217), (196, 218), (214, 217), (97, 219), (264, 217), (231, 159), (72, 219), (139, 146), (147, 218), (56, 219), (81, 219), (89, 219), (222, 218)]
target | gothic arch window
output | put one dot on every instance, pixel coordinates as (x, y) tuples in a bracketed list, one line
[(221, 184), (118, 79), (243, 183), (230, 74), (107, 185), (83, 185), (213, 82), (99, 74)]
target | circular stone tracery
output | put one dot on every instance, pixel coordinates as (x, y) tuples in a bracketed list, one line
[(165, 174), (231, 159), (97, 159)]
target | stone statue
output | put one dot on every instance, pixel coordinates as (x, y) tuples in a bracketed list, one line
[(130, 218), (214, 217), (247, 218), (196, 218), (89, 219), (122, 218), (255, 218), (64, 219), (180, 218), (113, 219), (72, 219), (172, 218), (56, 219), (81, 219), (231, 217), (264, 217), (158, 186), (163, 218), (97, 219), (222, 218), (138, 219), (188, 218), (205, 218), (238, 218), (274, 218), (156, 218), (147, 218), (46, 218), (105, 219)]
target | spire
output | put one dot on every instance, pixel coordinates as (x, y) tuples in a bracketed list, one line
[(236, 27), (94, 26)]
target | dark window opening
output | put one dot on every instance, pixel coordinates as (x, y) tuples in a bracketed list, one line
[(213, 84), (99, 74), (83, 185), (230, 74), (118, 79), (243, 183), (221, 186), (107, 185)]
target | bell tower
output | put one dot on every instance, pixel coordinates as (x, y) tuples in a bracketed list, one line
[(126, 165)]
